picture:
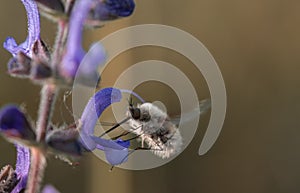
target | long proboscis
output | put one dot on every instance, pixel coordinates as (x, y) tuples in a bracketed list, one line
[(115, 126)]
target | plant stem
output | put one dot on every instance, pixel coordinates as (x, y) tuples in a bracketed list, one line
[(48, 96), (60, 41), (37, 167), (38, 160)]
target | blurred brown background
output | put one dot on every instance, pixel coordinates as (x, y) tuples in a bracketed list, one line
[(255, 44)]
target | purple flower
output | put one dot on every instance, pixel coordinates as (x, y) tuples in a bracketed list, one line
[(112, 9), (67, 142), (33, 31), (22, 168), (14, 124), (74, 51), (134, 94), (116, 151), (87, 72), (89, 11), (49, 189), (14, 181)]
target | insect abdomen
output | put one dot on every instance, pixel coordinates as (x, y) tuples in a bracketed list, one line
[(166, 142)]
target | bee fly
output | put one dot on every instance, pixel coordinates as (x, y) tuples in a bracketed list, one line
[(153, 126)]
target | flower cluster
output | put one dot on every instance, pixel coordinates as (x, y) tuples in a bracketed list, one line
[(54, 71)]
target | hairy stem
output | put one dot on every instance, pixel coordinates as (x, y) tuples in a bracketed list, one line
[(48, 96), (37, 167), (38, 160), (61, 37)]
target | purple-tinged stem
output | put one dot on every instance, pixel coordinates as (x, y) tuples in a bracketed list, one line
[(61, 37), (48, 96), (38, 160), (37, 168)]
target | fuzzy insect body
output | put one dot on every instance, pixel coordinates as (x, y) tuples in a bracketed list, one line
[(155, 129)]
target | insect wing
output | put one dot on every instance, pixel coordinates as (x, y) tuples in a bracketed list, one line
[(202, 108)]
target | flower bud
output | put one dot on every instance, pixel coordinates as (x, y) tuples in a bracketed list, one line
[(14, 125)]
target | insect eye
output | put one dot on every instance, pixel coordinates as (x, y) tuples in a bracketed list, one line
[(135, 112)]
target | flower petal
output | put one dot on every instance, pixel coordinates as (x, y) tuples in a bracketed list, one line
[(112, 144), (116, 157), (97, 104), (49, 189), (134, 94), (75, 53), (23, 160), (11, 45), (33, 31), (88, 70), (22, 168), (116, 152)]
